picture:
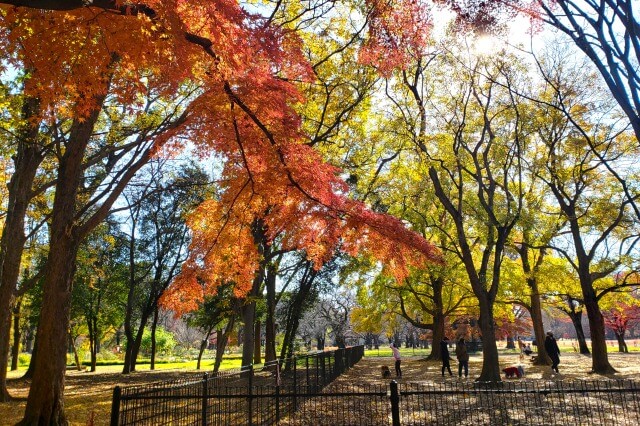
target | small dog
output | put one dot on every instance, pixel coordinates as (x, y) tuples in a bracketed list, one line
[(386, 373), (514, 372)]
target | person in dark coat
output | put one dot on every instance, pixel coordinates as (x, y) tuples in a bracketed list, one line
[(444, 353), (551, 346), (463, 358)]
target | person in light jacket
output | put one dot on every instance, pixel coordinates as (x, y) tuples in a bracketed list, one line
[(397, 357)]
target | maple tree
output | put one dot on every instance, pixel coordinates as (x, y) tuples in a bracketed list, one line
[(241, 112), (621, 318)]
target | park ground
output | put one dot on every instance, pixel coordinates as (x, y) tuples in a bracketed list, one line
[(88, 395)]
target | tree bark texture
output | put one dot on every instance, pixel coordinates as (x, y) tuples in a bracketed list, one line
[(576, 320), (154, 325), (15, 348), (599, 356), (438, 334), (45, 403), (270, 326), (221, 342), (27, 159), (257, 333), (490, 362), (542, 357)]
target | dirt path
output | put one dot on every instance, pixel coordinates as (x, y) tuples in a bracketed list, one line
[(418, 370)]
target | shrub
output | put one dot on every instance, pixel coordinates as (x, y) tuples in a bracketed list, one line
[(165, 342), (24, 359)]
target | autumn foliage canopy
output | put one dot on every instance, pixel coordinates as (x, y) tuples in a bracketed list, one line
[(241, 110)]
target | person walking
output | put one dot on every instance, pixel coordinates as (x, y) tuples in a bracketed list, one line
[(521, 348), (551, 346), (444, 353), (463, 358), (397, 357)]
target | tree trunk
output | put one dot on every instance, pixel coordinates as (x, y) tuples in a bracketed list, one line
[(535, 307), (295, 311), (599, 358), (154, 324), (490, 362), (320, 343), (45, 403), (248, 317), (249, 308), (76, 358), (137, 342), (511, 344), (15, 349), (257, 356), (438, 334), (270, 326), (203, 346), (221, 342), (576, 320), (93, 341), (542, 357), (26, 162), (28, 339), (622, 345), (28, 375)]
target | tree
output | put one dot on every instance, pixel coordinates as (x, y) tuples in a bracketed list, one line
[(607, 32), (29, 153), (619, 321), (577, 174), (98, 286), (622, 316), (157, 243), (246, 66), (475, 167), (218, 310)]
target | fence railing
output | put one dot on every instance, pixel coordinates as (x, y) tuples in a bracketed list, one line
[(297, 401), (610, 402), (249, 395)]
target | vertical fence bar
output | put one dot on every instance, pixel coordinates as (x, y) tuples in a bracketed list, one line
[(394, 397), (115, 406), (277, 403), (317, 360), (295, 383), (250, 396), (205, 398)]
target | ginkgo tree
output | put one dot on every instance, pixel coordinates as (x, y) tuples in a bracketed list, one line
[(244, 66), (580, 149)]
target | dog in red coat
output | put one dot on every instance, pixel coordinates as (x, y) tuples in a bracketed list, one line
[(513, 372)]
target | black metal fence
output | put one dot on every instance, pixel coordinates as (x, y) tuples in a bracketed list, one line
[(250, 395), (300, 396), (577, 402)]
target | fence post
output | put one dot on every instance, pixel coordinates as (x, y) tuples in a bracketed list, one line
[(277, 403), (317, 358), (250, 395), (205, 398), (395, 404), (115, 406), (295, 383)]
